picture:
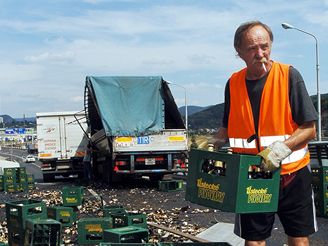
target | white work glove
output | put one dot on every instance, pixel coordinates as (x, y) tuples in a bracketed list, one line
[(273, 155)]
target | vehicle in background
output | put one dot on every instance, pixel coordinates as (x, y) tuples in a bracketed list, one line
[(61, 143), (135, 126), (29, 159), (32, 148)]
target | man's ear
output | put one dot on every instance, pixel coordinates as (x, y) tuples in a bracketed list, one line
[(239, 53)]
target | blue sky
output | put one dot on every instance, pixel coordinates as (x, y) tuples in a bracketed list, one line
[(48, 47)]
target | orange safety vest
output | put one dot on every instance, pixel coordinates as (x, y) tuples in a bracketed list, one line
[(275, 120)]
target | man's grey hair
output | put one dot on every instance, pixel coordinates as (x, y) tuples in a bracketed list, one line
[(244, 27)]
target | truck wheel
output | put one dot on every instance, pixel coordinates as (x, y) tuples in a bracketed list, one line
[(48, 177)]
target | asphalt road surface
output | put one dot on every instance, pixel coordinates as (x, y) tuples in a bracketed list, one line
[(17, 155)]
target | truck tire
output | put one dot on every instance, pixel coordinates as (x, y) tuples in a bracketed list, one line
[(48, 177)]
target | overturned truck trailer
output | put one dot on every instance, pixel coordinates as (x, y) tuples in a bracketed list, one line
[(135, 127)]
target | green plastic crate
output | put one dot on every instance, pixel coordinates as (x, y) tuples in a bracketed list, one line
[(91, 230), (9, 179), (233, 190), (42, 232), (320, 190), (30, 178), (1, 183), (10, 183), (170, 185), (17, 213), (21, 175), (109, 210), (65, 215), (325, 174), (9, 171), (9, 187), (22, 178), (127, 234), (130, 219), (21, 186), (72, 196)]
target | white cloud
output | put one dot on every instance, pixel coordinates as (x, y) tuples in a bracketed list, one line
[(50, 56)]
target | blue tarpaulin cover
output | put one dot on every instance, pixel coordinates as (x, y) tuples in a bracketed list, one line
[(129, 105)]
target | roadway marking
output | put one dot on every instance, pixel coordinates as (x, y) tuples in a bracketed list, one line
[(19, 157)]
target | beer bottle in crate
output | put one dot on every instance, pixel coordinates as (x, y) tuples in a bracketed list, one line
[(253, 172), (250, 172), (258, 173), (267, 174), (218, 168), (207, 166)]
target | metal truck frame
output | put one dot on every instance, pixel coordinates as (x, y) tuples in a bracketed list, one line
[(147, 153)]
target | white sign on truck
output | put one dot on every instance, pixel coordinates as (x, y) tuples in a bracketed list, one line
[(61, 142)]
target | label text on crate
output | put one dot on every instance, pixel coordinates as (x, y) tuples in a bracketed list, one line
[(209, 191), (258, 195)]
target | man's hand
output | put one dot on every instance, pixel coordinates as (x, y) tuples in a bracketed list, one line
[(273, 155)]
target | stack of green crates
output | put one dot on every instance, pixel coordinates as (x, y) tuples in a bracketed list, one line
[(42, 232), (320, 188), (9, 180), (17, 212), (30, 182), (16, 179), (72, 196), (21, 179)]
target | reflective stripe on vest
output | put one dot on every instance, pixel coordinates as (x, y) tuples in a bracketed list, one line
[(265, 142)]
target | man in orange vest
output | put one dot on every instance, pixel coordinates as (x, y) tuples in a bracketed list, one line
[(268, 112)]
